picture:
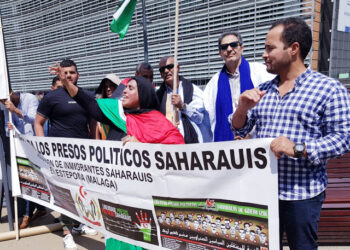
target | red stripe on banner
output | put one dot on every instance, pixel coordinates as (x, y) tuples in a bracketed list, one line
[(96, 223), (42, 191), (196, 242)]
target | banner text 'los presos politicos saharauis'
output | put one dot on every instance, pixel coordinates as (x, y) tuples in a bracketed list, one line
[(234, 158)]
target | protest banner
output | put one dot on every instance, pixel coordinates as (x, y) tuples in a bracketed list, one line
[(212, 196)]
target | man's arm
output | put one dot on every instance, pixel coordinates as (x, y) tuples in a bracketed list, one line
[(39, 125), (248, 100), (92, 128), (30, 114), (195, 109), (209, 99), (335, 123), (13, 109)]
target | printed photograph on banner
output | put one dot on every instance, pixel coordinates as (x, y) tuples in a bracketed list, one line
[(87, 206), (31, 180), (63, 198), (211, 224), (131, 222)]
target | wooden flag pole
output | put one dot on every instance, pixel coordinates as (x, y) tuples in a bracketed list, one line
[(175, 110)]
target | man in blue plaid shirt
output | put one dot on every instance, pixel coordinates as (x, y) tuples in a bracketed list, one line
[(308, 114)]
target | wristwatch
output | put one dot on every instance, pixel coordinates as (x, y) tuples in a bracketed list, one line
[(299, 149)]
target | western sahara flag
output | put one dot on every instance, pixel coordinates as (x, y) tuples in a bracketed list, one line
[(148, 127), (122, 18), (113, 109)]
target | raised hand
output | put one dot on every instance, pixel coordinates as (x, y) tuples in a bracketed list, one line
[(62, 75), (57, 70), (145, 226), (250, 98)]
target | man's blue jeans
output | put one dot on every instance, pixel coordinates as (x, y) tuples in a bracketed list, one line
[(299, 219)]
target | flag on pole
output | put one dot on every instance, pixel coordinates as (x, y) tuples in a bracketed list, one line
[(121, 19)]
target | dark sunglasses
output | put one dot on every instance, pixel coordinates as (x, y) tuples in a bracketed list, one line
[(169, 67), (232, 45)]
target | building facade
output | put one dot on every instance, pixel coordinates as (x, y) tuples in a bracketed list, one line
[(39, 33)]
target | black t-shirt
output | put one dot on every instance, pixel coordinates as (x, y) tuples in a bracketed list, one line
[(67, 117)]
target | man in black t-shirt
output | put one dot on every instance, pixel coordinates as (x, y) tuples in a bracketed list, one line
[(67, 119)]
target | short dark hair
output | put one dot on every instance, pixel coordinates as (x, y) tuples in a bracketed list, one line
[(295, 29), (230, 33), (143, 65), (68, 63), (54, 80)]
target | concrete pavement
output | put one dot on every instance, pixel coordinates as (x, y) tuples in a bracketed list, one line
[(47, 241)]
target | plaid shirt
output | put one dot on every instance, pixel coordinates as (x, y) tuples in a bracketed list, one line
[(315, 112)]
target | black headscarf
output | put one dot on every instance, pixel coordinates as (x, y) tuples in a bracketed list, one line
[(147, 96)]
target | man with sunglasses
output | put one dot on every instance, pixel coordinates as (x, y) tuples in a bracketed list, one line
[(194, 120), (222, 91)]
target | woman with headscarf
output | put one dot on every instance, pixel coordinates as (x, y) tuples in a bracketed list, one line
[(105, 90)]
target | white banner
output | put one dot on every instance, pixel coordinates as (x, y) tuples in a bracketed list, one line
[(197, 196), (4, 92), (344, 16)]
